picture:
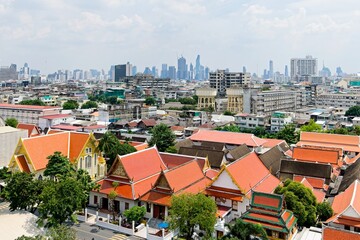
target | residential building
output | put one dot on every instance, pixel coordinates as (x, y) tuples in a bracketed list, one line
[(341, 100), (251, 121), (9, 138), (279, 120), (56, 119), (268, 210), (221, 80), (27, 113), (31, 154), (303, 67)]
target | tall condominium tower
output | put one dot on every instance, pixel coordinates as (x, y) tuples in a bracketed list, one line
[(303, 67)]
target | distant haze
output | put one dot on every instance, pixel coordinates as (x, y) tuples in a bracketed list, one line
[(69, 34)]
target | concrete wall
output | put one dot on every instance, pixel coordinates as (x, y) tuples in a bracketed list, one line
[(9, 138)]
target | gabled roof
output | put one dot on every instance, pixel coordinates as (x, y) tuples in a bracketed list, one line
[(330, 233), (267, 201), (70, 144), (272, 158), (320, 155), (248, 172), (349, 198), (319, 194), (352, 173), (172, 160), (141, 164), (32, 129), (148, 122), (23, 165), (215, 156), (346, 142), (238, 152), (227, 137)]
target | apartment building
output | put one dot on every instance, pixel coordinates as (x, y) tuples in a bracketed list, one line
[(251, 121), (27, 113), (279, 120), (341, 100), (221, 80)]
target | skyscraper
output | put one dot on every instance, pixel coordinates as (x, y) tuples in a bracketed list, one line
[(182, 68), (286, 71), (134, 70), (271, 69), (122, 70), (191, 72), (197, 68), (172, 72), (164, 71)]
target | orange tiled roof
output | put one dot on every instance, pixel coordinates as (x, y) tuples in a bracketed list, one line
[(247, 172), (319, 155), (346, 142), (172, 160), (338, 234), (32, 129), (314, 182), (77, 142), (271, 142), (227, 137), (142, 164), (39, 148), (124, 190), (211, 173), (157, 198), (319, 194), (21, 161), (268, 184), (350, 197)]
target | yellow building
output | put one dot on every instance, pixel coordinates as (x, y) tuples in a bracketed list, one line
[(80, 148)]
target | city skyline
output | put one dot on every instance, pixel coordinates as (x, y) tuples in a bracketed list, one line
[(52, 35)]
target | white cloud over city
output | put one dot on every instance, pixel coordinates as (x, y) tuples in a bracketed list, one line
[(68, 34)]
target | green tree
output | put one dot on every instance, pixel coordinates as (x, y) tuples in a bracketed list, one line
[(60, 200), (112, 100), (61, 232), (112, 196), (12, 122), (196, 98), (188, 100), (70, 104), (163, 137), (289, 134), (228, 113), (353, 111), (36, 102), (171, 149), (89, 104), (111, 147), (311, 127), (22, 191), (150, 101), (300, 200), (324, 211), (135, 214), (23, 237), (58, 165), (190, 210), (243, 230), (4, 173)]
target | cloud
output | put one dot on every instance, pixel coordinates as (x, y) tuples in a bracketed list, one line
[(185, 6)]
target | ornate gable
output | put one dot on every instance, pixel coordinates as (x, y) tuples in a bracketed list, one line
[(162, 182), (118, 170)]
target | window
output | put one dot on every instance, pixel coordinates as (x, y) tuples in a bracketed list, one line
[(126, 206), (234, 205), (148, 207), (356, 229), (88, 162), (95, 159), (95, 199), (347, 227)]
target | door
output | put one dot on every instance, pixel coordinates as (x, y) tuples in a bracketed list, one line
[(105, 203)]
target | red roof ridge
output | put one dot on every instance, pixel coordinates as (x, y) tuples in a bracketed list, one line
[(258, 183)]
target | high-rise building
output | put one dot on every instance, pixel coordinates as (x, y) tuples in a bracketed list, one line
[(221, 80), (191, 72), (182, 68), (122, 70), (206, 74), (133, 70), (197, 68), (244, 69), (172, 72), (164, 71), (8, 73), (286, 71), (154, 71), (271, 69), (300, 67)]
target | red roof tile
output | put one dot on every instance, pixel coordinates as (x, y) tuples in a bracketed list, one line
[(77, 142), (21, 161), (172, 160), (338, 234), (123, 190), (267, 201), (32, 129), (157, 198), (314, 182), (148, 122), (227, 137), (211, 173), (29, 107), (319, 155), (268, 184), (55, 116), (347, 198), (270, 143), (142, 164), (247, 172)]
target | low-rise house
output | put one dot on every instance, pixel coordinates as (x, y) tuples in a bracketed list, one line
[(268, 210), (56, 119), (279, 120), (80, 148)]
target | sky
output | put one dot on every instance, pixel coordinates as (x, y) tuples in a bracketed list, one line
[(69, 34)]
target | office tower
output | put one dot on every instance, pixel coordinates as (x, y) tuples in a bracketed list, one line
[(271, 69), (300, 67), (191, 72), (182, 68), (221, 80), (172, 72), (164, 71), (265, 75), (154, 71), (197, 68), (112, 73), (244, 69), (122, 70), (147, 71), (339, 72), (206, 73), (133, 71), (286, 71)]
